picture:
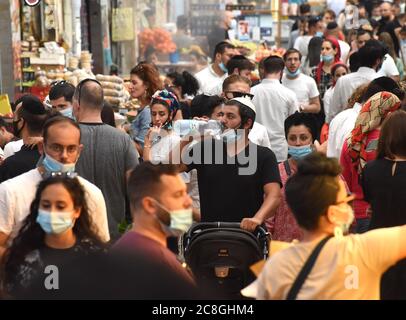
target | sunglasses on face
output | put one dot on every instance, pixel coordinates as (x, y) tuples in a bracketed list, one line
[(237, 94)]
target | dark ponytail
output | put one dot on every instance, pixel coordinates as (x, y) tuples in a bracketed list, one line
[(191, 85)]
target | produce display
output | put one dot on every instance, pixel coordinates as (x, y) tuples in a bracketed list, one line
[(158, 38)]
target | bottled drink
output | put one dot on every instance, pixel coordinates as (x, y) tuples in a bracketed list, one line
[(197, 127)]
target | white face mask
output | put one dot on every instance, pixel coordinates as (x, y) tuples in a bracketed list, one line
[(343, 220)]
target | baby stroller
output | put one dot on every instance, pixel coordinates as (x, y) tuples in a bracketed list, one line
[(220, 253)]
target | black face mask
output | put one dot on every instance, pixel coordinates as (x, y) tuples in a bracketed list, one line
[(16, 130)]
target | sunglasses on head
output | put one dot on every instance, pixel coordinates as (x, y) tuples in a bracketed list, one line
[(82, 83), (58, 83), (59, 174)]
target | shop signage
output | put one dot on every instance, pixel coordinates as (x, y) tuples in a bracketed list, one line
[(32, 3)]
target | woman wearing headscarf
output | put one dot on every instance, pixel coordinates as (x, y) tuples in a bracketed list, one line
[(330, 54), (361, 147), (160, 140)]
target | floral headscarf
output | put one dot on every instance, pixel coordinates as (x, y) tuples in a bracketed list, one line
[(170, 100), (371, 116)]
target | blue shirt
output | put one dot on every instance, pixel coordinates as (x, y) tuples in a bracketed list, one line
[(140, 125)]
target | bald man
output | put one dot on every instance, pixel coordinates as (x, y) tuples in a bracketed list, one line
[(108, 155)]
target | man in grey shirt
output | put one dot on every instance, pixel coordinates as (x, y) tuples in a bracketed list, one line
[(108, 155)]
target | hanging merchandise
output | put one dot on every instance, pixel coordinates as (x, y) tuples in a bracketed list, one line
[(49, 12), (123, 24)]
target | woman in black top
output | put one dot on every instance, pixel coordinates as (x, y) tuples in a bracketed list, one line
[(57, 230), (384, 186)]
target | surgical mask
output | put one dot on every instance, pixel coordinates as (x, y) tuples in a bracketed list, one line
[(54, 222), (299, 152), (343, 223), (233, 24), (223, 67), (328, 58), (403, 42), (231, 135), (180, 219), (319, 34), (52, 165), (68, 112), (292, 74)]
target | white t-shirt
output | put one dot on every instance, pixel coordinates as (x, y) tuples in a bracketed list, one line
[(336, 5), (339, 130), (345, 50), (302, 44), (17, 194), (345, 87), (160, 150), (349, 268), (328, 95), (209, 80), (388, 68), (304, 86), (259, 135), (12, 147), (274, 103)]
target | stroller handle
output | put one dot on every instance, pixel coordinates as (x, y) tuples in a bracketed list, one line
[(260, 230)]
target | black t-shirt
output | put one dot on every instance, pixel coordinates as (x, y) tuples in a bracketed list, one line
[(22, 161), (231, 191), (385, 193)]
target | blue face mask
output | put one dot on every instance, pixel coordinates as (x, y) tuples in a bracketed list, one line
[(328, 58), (68, 112), (52, 165), (292, 74), (319, 34), (299, 152), (231, 135), (223, 67), (54, 222)]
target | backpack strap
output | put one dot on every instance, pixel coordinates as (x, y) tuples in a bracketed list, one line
[(287, 168), (307, 268)]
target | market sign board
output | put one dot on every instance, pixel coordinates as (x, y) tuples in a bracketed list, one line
[(32, 3), (123, 24)]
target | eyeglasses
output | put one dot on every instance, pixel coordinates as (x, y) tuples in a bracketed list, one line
[(59, 149), (81, 84), (238, 94), (58, 174), (349, 199)]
